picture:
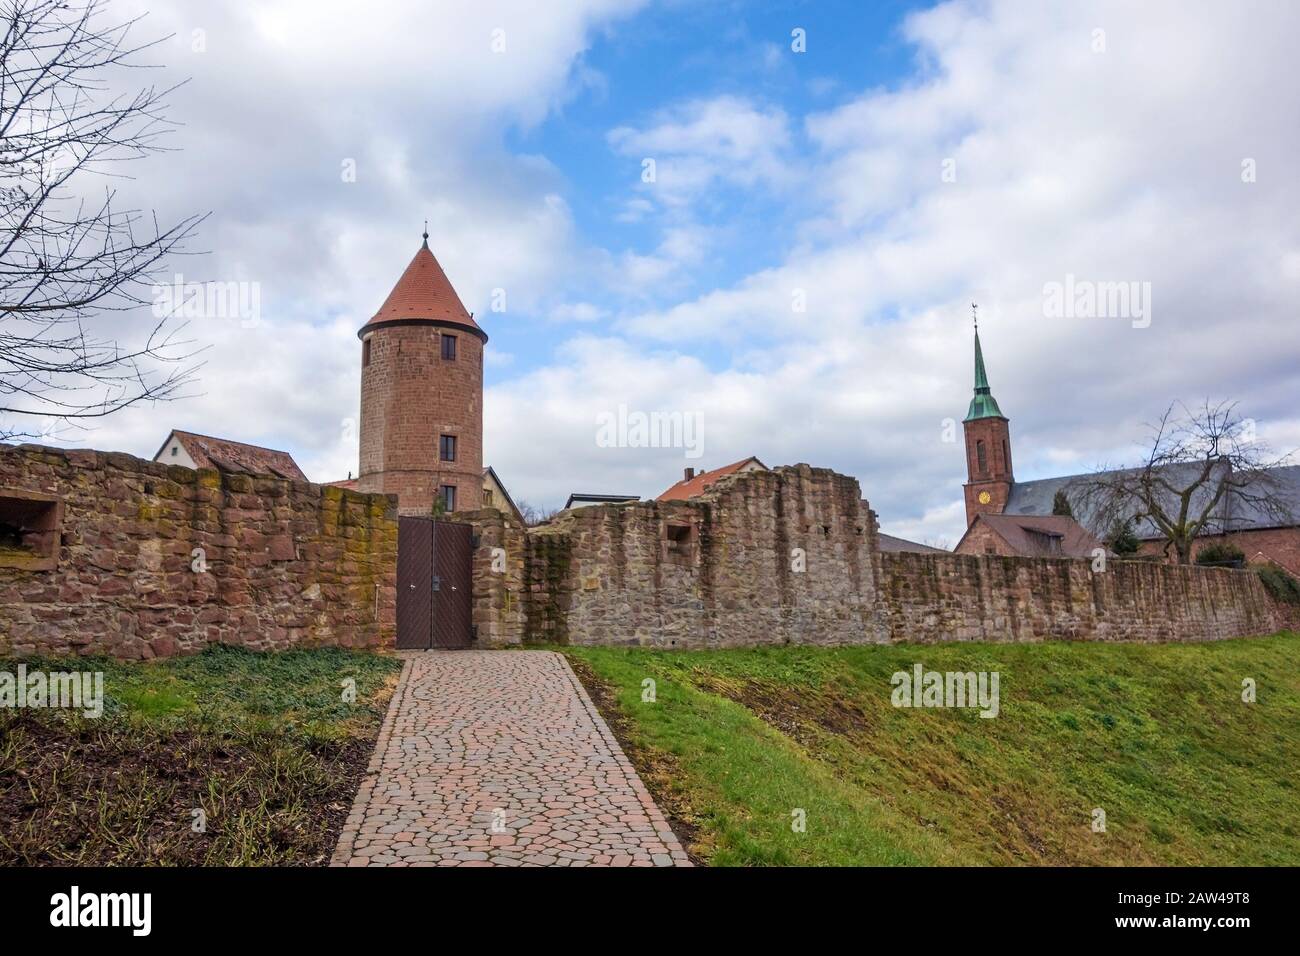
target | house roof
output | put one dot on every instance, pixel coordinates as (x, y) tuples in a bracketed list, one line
[(690, 487), (1036, 497), (598, 499), (234, 456), (424, 295), (1039, 536), (891, 544), (490, 471)]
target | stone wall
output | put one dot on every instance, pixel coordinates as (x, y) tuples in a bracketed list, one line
[(285, 563), (765, 557), (107, 565), (790, 557), (940, 597)]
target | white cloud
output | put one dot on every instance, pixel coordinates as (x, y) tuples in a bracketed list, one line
[(1117, 165), (1123, 165), (704, 143)]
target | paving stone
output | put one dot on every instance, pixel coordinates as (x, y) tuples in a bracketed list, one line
[(498, 758)]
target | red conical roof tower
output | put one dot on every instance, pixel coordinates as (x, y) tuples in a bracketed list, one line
[(421, 431), (423, 292)]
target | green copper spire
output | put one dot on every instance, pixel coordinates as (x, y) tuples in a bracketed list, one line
[(983, 405)]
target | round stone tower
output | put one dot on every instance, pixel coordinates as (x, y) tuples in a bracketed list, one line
[(422, 395)]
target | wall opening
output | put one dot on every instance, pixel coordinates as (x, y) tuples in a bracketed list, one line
[(29, 530), (679, 543)]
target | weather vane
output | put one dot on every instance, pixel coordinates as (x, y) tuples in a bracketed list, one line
[(974, 311)]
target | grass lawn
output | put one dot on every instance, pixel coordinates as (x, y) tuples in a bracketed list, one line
[(263, 744), (1157, 736)]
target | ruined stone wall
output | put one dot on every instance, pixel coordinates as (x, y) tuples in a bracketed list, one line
[(288, 564), (790, 556), (764, 557), (939, 597), (499, 592)]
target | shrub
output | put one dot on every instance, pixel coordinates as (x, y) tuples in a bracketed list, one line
[(1278, 583), (1122, 540), (1061, 504), (1221, 553)]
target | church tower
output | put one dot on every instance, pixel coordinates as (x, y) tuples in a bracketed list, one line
[(988, 447), (421, 427)]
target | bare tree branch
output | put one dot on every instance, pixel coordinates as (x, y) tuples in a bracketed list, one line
[(70, 256), (1205, 469)]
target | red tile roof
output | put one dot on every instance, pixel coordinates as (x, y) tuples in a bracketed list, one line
[(424, 292), (1040, 536), (690, 487), (235, 456)]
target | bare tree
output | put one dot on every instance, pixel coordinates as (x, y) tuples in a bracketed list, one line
[(70, 256), (1203, 468), (534, 515)]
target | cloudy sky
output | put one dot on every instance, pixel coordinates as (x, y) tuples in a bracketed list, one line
[(832, 188)]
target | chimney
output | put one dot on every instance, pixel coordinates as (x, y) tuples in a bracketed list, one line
[(690, 473)]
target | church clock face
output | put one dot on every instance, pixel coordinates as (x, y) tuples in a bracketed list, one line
[(985, 497)]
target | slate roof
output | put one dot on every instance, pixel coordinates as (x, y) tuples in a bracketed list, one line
[(1036, 497), (887, 542), (235, 456), (690, 487)]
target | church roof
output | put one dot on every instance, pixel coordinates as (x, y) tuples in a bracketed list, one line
[(983, 405), (1038, 536), (1233, 514), (893, 545), (424, 294)]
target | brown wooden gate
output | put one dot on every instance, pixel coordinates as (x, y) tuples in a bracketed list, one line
[(434, 559)]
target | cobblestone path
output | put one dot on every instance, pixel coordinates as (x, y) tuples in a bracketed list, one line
[(499, 758)]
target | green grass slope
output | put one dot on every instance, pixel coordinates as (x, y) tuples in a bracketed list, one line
[(1156, 736)]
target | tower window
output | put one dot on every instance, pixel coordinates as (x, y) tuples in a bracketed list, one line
[(449, 348), (981, 457), (447, 448), (448, 495), (1006, 456), (365, 353)]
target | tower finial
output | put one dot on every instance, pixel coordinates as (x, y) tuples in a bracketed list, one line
[(974, 311), (426, 234)]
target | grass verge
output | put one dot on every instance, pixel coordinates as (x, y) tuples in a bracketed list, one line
[(263, 749), (1158, 737)]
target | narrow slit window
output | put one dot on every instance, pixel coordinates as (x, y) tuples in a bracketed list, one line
[(365, 353), (981, 457)]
